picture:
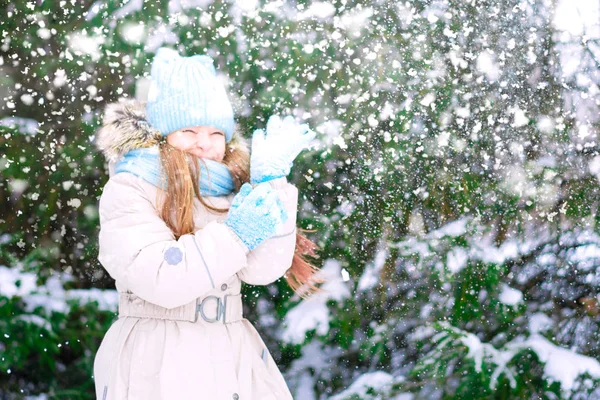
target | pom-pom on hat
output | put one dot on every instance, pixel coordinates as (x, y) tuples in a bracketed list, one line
[(185, 92)]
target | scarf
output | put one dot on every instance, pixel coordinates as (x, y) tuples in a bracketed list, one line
[(214, 180)]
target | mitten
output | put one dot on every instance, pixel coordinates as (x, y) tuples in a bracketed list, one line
[(255, 214), (274, 151)]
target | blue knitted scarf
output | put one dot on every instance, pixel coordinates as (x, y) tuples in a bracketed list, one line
[(215, 180)]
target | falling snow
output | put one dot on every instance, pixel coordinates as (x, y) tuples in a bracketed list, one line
[(452, 187)]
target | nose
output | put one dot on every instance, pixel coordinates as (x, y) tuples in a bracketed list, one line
[(202, 140)]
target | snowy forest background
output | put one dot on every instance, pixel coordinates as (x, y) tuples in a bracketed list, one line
[(453, 188)]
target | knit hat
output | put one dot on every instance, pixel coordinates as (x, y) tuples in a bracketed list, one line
[(185, 92)]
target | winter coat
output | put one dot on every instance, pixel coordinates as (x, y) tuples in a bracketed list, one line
[(167, 342)]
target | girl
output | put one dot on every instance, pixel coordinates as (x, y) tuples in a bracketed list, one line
[(181, 228)]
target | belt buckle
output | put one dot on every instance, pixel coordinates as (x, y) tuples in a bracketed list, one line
[(221, 307)]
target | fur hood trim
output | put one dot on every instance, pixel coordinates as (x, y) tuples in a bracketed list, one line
[(124, 128)]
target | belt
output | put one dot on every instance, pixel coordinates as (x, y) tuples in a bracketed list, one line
[(226, 309)]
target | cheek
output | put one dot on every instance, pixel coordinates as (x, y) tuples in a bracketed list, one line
[(180, 141), (219, 148)]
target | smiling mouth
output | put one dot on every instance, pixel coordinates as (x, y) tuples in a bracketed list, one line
[(195, 152)]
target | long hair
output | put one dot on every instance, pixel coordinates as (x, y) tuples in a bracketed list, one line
[(181, 172)]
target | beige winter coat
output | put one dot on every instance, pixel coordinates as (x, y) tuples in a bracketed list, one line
[(164, 345)]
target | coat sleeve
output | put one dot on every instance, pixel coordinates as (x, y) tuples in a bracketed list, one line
[(273, 257), (139, 250)]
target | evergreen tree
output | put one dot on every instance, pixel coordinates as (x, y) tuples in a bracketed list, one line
[(453, 192)]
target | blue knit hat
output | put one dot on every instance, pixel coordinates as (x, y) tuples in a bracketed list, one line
[(185, 92)]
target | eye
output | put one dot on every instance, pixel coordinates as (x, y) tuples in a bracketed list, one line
[(218, 133)]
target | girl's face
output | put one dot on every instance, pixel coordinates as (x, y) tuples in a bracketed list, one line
[(201, 141)]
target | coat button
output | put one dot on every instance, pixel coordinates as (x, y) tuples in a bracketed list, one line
[(235, 396), (173, 256), (224, 287)]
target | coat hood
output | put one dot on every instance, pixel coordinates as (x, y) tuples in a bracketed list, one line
[(124, 128)]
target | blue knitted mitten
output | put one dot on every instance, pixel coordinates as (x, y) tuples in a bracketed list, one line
[(255, 214), (273, 152)]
